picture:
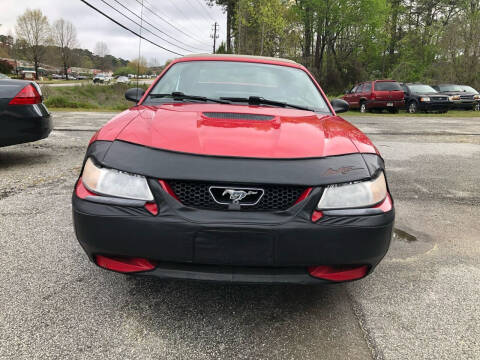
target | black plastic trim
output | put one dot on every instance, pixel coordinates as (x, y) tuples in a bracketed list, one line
[(115, 201), (170, 165)]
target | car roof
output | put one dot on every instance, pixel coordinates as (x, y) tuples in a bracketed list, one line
[(14, 81), (369, 81), (234, 57)]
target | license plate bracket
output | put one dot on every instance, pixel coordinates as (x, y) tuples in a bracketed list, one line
[(389, 103), (233, 248)]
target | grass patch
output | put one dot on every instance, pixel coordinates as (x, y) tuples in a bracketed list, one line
[(45, 82), (88, 97)]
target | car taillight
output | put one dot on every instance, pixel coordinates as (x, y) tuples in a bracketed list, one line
[(124, 265), (29, 95), (338, 273)]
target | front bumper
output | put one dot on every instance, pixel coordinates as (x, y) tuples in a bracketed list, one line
[(433, 105), (385, 104), (464, 104), (256, 247)]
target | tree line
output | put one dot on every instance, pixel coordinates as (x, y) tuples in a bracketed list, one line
[(56, 44), (346, 41)]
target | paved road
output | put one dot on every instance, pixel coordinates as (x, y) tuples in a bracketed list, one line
[(421, 302)]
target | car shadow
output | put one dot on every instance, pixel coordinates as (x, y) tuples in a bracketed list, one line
[(267, 321)]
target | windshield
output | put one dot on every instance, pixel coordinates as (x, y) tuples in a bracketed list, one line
[(422, 89), (450, 88), (387, 86), (222, 79), (468, 89)]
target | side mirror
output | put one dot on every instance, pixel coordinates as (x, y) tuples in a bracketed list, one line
[(340, 105), (134, 94)]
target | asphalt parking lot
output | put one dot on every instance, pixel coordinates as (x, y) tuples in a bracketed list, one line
[(422, 302)]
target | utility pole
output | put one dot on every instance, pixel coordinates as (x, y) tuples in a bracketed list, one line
[(215, 36)]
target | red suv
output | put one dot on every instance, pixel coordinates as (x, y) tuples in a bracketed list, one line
[(378, 95)]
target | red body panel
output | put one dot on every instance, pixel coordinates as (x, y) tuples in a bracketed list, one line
[(291, 133)]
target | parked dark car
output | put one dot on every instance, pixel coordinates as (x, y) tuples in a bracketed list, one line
[(462, 96), (220, 172), (476, 96), (420, 97), (23, 116), (376, 95)]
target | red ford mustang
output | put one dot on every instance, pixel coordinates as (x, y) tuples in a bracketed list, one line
[(234, 168)]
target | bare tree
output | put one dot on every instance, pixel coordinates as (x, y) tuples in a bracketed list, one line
[(101, 50), (65, 37), (33, 28)]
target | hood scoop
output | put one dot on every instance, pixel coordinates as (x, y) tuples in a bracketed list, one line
[(237, 116)]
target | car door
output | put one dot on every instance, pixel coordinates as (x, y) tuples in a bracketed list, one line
[(349, 95), (356, 96), (366, 91)]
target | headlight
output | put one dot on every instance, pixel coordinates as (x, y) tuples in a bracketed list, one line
[(454, 97), (476, 97), (425, 99), (115, 183), (357, 195)]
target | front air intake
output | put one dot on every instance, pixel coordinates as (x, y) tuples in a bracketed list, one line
[(237, 116)]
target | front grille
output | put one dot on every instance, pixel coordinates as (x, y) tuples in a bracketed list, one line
[(276, 197), (439, 98)]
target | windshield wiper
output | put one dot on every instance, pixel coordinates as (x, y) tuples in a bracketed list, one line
[(177, 95), (256, 100)]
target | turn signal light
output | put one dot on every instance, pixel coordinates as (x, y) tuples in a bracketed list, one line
[(29, 95), (124, 265), (338, 273)]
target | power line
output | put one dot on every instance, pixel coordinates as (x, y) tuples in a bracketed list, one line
[(202, 5), (173, 3), (198, 45), (141, 26), (126, 28), (203, 15), (181, 42), (168, 22)]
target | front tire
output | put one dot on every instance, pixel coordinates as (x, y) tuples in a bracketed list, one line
[(412, 107)]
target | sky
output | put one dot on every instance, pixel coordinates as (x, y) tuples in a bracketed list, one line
[(192, 20)]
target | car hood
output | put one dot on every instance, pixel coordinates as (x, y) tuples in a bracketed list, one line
[(237, 131), (457, 93), (429, 94)]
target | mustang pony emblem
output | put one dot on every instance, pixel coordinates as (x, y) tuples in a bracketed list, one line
[(234, 198), (238, 195)]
